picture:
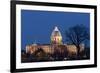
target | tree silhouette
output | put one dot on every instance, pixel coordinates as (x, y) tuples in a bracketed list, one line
[(60, 52), (77, 35), (41, 55), (63, 51)]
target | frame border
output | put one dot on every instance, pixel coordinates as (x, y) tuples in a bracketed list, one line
[(13, 35)]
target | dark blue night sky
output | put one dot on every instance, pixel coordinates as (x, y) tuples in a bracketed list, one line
[(37, 26)]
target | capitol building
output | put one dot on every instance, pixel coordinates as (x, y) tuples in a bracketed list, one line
[(55, 45)]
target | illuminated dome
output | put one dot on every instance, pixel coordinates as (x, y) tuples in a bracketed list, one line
[(56, 37)]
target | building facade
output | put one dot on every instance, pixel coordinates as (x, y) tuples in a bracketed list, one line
[(55, 45)]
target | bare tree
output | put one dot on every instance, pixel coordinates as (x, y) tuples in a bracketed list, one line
[(77, 35)]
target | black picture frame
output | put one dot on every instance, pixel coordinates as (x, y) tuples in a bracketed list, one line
[(13, 35)]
